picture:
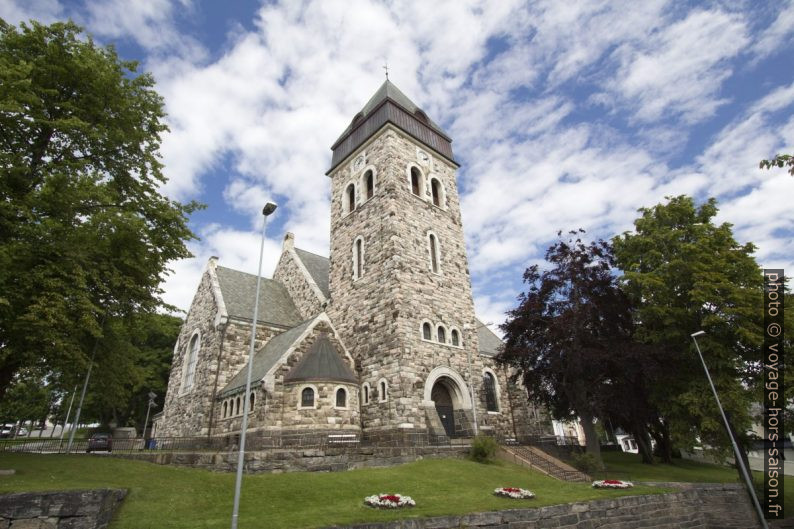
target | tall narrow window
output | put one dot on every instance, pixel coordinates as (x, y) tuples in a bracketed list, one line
[(427, 332), (416, 181), (383, 395), (489, 385), (369, 178), (455, 337), (433, 253), (251, 402), (192, 359), (358, 258), (365, 392), (238, 409), (442, 334), (435, 187), (225, 409), (350, 193), (307, 398), (341, 398)]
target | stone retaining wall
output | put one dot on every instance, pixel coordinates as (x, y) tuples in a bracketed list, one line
[(707, 506), (77, 509), (324, 459)]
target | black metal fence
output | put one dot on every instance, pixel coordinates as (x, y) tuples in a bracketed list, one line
[(340, 440)]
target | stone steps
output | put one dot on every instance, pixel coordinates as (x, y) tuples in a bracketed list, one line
[(535, 459)]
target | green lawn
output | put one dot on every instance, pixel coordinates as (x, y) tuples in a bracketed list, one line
[(166, 497), (629, 466)]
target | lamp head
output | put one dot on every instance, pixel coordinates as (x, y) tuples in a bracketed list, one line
[(269, 208), (696, 334)]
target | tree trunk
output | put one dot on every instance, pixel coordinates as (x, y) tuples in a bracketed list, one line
[(661, 434), (592, 442), (641, 436)]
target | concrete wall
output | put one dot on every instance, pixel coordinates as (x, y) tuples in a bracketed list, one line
[(702, 507), (79, 509)]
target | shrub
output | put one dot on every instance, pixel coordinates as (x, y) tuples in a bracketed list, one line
[(483, 449), (585, 462)]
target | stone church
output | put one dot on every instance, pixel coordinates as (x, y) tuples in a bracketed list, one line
[(379, 337)]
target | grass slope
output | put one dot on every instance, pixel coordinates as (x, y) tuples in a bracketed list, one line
[(171, 497)]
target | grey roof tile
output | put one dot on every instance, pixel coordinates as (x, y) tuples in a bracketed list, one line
[(318, 267), (266, 357), (321, 362), (239, 291), (490, 343), (388, 91)]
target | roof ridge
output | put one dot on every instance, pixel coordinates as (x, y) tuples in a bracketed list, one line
[(313, 253)]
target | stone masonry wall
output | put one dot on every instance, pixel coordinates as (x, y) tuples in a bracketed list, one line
[(187, 413), (380, 315), (279, 409), (289, 274), (77, 509), (704, 507)]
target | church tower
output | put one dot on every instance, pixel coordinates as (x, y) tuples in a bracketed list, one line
[(399, 279)]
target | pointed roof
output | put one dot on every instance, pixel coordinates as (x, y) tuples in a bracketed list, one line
[(318, 267), (266, 358), (490, 343), (390, 105), (321, 362), (388, 91), (239, 291)]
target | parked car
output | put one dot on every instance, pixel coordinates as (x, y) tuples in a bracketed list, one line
[(22, 432), (6, 430), (100, 441)]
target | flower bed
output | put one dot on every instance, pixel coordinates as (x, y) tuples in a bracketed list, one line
[(389, 501), (514, 492), (612, 484)]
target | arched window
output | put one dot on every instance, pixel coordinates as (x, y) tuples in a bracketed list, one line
[(238, 409), (192, 359), (341, 398), (307, 398), (489, 385), (365, 393), (251, 400), (455, 336), (225, 408), (416, 182), (382, 395), (435, 187), (369, 183), (427, 331), (358, 258), (350, 198), (432, 243), (441, 333)]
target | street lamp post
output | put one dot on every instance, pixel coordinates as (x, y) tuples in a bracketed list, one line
[(737, 454), (269, 208)]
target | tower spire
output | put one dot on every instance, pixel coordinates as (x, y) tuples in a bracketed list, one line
[(386, 69)]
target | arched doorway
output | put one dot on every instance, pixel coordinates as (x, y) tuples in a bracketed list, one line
[(443, 401)]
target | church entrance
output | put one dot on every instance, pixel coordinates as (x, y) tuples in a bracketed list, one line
[(443, 401)]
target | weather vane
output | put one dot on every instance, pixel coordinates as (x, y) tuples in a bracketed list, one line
[(386, 68)]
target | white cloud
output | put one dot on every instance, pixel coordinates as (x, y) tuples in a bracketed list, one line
[(779, 34), (44, 11), (680, 69)]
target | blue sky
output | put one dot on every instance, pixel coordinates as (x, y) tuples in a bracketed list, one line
[(563, 114)]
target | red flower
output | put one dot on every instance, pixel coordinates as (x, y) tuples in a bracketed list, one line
[(612, 482), (511, 489), (390, 497)]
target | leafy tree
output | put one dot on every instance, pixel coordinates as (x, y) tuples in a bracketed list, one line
[(28, 399), (563, 335), (683, 274), (780, 160), (84, 232)]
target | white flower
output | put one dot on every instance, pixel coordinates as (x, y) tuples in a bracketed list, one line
[(389, 501), (514, 492), (612, 484)]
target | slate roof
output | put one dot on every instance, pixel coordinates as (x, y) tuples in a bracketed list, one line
[(321, 362), (318, 267), (489, 341), (239, 291), (266, 357), (388, 91)]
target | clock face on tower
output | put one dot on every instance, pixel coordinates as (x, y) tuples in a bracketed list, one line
[(358, 163), (422, 156)]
